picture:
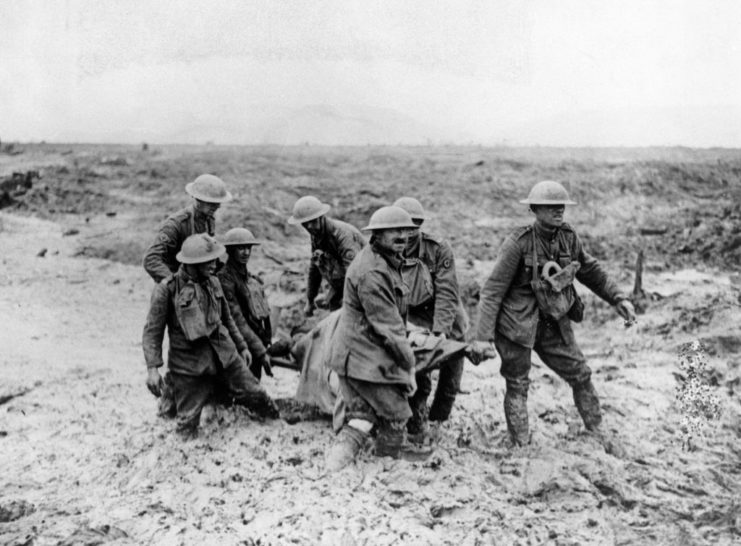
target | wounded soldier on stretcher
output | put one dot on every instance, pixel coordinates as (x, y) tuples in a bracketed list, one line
[(317, 394)]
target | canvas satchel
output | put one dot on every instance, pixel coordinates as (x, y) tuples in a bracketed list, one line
[(554, 293)]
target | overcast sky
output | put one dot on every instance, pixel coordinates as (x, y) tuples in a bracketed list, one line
[(579, 72)]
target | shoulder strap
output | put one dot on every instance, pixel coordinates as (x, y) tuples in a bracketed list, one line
[(535, 259)]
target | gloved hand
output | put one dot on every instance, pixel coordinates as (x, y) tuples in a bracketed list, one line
[(309, 309), (626, 310), (154, 382), (264, 361)]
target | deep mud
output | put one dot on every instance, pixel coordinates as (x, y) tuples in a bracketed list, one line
[(84, 459)]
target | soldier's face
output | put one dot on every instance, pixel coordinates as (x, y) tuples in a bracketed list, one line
[(394, 240), (207, 209), (412, 233), (206, 269), (313, 226), (549, 215), (241, 254)]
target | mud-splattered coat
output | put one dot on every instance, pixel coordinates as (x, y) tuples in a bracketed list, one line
[(331, 254), (248, 306), (370, 342), (434, 301), (508, 306), (159, 259), (200, 328)]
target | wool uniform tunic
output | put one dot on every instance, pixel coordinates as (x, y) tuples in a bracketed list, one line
[(159, 259), (332, 251)]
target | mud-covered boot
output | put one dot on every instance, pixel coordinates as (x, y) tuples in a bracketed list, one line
[(417, 426), (391, 441), (515, 411), (389, 438), (348, 444), (261, 404), (587, 402)]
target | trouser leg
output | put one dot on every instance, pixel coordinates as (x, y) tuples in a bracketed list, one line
[(559, 351), (244, 389), (387, 407), (418, 404), (190, 395), (515, 370), (166, 404), (448, 385)]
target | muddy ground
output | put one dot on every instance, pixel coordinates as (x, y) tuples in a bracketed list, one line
[(84, 459)]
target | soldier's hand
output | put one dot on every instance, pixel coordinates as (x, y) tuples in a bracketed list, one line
[(309, 309), (626, 310), (246, 356), (478, 351), (266, 366), (154, 382)]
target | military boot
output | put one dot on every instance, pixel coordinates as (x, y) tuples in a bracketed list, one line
[(515, 411), (587, 402), (417, 426), (391, 442), (261, 404), (389, 438), (348, 444)]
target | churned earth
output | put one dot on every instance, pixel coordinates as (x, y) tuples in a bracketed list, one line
[(85, 460)]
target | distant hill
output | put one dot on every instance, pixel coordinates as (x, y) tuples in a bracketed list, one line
[(357, 125), (316, 124)]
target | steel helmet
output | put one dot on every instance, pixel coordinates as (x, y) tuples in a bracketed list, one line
[(548, 192), (200, 248), (390, 218), (412, 206), (238, 236), (308, 208), (209, 188)]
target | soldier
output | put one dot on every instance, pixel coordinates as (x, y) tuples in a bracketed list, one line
[(517, 322), (208, 192), (334, 244), (434, 304), (207, 354), (246, 296), (371, 354)]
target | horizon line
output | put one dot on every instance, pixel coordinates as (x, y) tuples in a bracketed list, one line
[(208, 144)]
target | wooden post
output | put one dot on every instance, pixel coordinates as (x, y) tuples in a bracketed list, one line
[(638, 292)]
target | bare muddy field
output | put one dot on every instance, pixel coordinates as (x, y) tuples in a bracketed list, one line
[(85, 460)]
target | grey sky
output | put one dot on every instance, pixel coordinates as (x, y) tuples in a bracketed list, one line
[(555, 72)]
